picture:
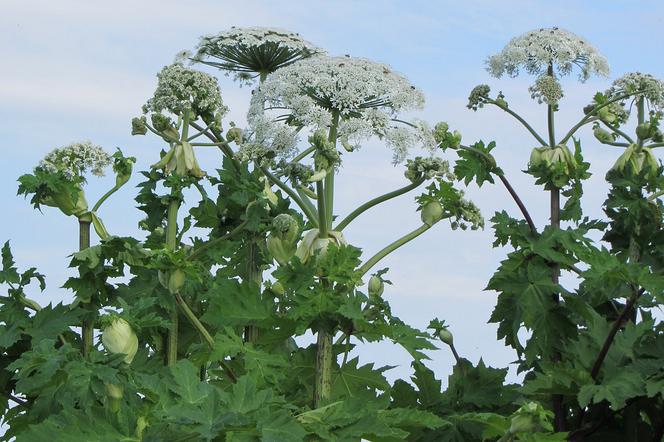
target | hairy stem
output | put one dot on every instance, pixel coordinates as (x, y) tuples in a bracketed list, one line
[(87, 327), (374, 202), (323, 379), (171, 239)]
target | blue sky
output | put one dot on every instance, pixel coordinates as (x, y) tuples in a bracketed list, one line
[(75, 70)]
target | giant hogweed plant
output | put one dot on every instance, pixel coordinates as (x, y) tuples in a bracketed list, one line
[(190, 338), (592, 351)]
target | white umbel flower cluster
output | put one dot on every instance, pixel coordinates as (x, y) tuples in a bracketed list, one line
[(76, 159), (652, 88), (253, 50), (534, 51), (366, 96), (181, 88)]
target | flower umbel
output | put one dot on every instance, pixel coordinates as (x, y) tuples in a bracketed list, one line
[(651, 88), (253, 50), (366, 96), (536, 50), (75, 159), (180, 88)]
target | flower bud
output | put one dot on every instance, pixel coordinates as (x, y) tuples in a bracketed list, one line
[(278, 288), (376, 286), (176, 281), (234, 134), (604, 136), (432, 212), (446, 336), (606, 115), (643, 131), (138, 126), (522, 424), (281, 242), (115, 394), (120, 338)]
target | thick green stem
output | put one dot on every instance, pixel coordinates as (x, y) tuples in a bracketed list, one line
[(322, 211), (560, 414), (392, 247), (641, 116), (374, 202), (323, 377), (324, 353), (171, 238), (329, 178), (87, 328), (171, 244), (254, 275)]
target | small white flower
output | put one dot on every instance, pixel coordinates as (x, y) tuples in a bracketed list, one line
[(253, 50), (181, 88), (75, 159), (534, 51)]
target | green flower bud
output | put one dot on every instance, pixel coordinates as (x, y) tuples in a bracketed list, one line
[(440, 131), (138, 126), (99, 226), (501, 103), (118, 337), (446, 336), (606, 115), (604, 136), (278, 288), (432, 212), (115, 391), (176, 281), (163, 278), (522, 424), (643, 131), (115, 394), (234, 134), (281, 242), (376, 286)]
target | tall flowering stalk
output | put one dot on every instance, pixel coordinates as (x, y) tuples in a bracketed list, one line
[(188, 95), (341, 100), (57, 181), (550, 54)]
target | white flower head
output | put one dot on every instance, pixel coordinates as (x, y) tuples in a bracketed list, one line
[(253, 50), (652, 88), (181, 88), (536, 50), (76, 159), (366, 97)]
